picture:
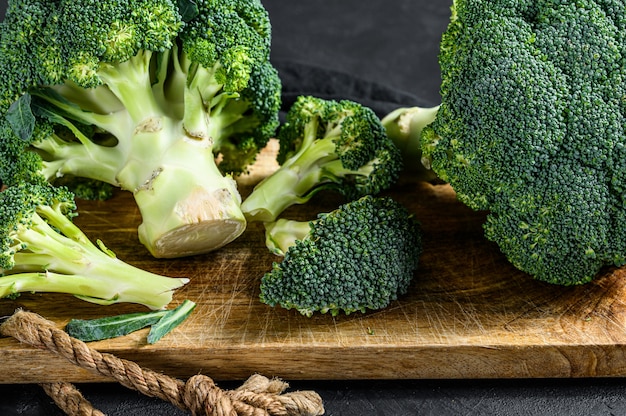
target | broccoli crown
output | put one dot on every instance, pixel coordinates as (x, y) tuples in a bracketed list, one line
[(113, 64), (48, 42), (531, 129), (326, 144), (167, 99), (360, 256)]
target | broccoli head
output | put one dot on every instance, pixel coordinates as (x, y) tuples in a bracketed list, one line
[(325, 144), (166, 99), (363, 255), (42, 250), (531, 129)]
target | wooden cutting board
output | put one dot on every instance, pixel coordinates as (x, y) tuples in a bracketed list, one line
[(468, 314)]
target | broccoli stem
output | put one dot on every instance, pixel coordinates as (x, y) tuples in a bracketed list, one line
[(273, 195), (404, 127), (130, 81), (101, 289), (86, 287), (79, 159), (295, 181), (282, 234), (75, 265), (187, 205)]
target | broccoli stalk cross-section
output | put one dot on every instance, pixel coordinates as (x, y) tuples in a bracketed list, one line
[(163, 102), (42, 250), (404, 127)]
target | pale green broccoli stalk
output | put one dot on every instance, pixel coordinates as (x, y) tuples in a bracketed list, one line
[(363, 255), (136, 95), (404, 127), (42, 250), (325, 144), (531, 130)]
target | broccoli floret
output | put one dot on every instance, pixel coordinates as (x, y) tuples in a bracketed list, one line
[(87, 189), (134, 94), (363, 255), (42, 250), (531, 129), (325, 144)]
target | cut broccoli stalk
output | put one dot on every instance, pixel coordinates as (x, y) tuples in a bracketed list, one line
[(404, 127), (201, 216), (154, 155), (44, 251), (282, 234)]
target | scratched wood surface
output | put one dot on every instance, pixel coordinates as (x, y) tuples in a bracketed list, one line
[(468, 313)]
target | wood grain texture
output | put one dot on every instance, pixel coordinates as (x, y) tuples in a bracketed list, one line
[(468, 314)]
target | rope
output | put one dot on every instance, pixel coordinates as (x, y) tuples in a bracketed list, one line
[(258, 396), (70, 400)]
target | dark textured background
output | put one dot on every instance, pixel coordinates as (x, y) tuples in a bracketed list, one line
[(382, 53)]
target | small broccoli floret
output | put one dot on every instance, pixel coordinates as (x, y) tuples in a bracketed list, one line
[(531, 130), (138, 96), (324, 144), (42, 250), (360, 256), (88, 189)]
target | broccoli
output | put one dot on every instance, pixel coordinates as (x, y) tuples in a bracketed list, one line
[(363, 255), (166, 99), (42, 250), (404, 127), (531, 130), (325, 144)]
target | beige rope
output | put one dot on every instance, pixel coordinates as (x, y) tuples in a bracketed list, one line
[(258, 396), (70, 400)]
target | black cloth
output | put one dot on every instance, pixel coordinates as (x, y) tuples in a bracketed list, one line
[(381, 53), (308, 79)]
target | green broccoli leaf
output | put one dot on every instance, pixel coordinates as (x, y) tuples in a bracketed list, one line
[(21, 118), (188, 9), (111, 326), (161, 322), (170, 320)]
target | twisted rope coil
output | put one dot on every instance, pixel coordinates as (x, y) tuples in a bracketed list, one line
[(258, 396)]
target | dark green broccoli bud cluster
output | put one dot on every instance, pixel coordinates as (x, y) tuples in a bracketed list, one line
[(326, 144), (42, 250), (231, 40), (88, 189), (531, 129), (144, 95), (363, 255)]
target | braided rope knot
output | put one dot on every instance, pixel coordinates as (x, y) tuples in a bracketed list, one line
[(258, 396), (202, 397)]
